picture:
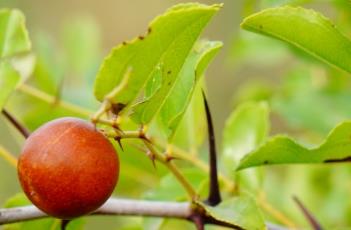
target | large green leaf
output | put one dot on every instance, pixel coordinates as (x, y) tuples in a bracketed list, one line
[(303, 87), (13, 34), (305, 29), (43, 224), (245, 129), (173, 108), (283, 150), (9, 79), (240, 212), (168, 42)]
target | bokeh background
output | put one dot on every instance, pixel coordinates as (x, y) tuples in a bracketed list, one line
[(306, 97)]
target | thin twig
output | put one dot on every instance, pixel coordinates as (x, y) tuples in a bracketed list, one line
[(23, 130), (8, 156), (182, 180), (41, 95), (310, 218), (214, 196), (113, 206), (184, 155), (128, 207)]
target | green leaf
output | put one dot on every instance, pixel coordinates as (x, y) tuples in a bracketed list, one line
[(9, 79), (43, 224), (13, 34), (49, 67), (168, 42), (252, 49), (303, 87), (305, 29), (246, 128), (283, 150), (191, 131), (81, 38), (236, 212), (174, 107)]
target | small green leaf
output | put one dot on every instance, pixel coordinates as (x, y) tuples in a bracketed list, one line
[(246, 128), (293, 24), (173, 108), (191, 131), (13, 34), (9, 79), (168, 42), (236, 212), (283, 150)]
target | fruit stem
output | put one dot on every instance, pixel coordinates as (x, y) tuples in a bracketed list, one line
[(173, 168), (34, 92), (23, 130), (8, 156)]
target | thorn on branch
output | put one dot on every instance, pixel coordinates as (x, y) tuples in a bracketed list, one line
[(309, 216), (118, 139), (20, 127), (214, 196)]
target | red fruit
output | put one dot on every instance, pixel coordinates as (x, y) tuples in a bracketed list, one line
[(67, 168)]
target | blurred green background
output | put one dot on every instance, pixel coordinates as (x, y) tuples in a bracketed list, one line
[(306, 97)]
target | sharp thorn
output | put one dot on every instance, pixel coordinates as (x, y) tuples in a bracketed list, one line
[(214, 196), (118, 139)]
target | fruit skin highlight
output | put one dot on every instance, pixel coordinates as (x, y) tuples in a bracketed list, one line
[(67, 168)]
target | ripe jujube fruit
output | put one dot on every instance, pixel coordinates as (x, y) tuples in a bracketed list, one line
[(67, 168)]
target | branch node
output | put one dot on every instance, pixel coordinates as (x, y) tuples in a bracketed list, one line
[(142, 133)]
